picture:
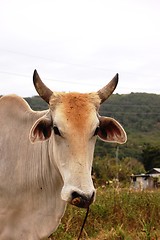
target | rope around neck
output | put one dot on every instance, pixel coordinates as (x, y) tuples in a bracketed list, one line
[(83, 224)]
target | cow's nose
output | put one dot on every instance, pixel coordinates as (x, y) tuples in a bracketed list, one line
[(81, 201)]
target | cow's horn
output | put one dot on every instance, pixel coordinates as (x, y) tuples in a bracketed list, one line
[(41, 88), (106, 91)]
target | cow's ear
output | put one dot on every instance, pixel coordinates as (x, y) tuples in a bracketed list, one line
[(111, 131), (41, 130)]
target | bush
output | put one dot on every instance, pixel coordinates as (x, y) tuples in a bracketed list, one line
[(107, 169)]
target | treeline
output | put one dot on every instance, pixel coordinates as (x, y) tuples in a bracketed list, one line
[(139, 114)]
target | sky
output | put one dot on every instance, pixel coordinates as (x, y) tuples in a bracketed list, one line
[(79, 45)]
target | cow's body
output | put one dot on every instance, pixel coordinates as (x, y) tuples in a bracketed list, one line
[(30, 185), (46, 160)]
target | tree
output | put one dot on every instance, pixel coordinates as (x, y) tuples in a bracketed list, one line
[(150, 157)]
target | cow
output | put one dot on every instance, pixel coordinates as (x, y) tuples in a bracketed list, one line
[(46, 157)]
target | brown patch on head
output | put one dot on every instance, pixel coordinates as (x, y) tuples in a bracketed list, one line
[(75, 107)]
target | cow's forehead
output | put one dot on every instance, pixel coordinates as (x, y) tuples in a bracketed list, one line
[(76, 108)]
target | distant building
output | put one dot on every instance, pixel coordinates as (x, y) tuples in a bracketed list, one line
[(149, 180)]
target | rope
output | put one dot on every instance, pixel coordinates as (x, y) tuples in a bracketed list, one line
[(83, 223)]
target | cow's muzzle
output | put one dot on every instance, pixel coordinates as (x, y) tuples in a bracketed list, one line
[(81, 201)]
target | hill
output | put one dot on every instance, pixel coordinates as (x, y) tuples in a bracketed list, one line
[(140, 116)]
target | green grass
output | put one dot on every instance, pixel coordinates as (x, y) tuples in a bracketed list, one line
[(117, 214)]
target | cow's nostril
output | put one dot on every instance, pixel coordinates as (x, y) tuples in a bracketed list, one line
[(80, 200), (75, 195)]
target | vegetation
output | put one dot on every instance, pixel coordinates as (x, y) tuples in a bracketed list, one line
[(150, 157), (116, 215), (37, 103), (140, 116), (106, 170)]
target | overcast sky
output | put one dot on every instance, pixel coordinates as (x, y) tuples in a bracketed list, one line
[(79, 45)]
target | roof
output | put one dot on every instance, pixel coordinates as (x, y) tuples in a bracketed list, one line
[(154, 170), (147, 174), (140, 175)]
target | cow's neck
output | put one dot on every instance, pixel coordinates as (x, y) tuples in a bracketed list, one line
[(49, 185)]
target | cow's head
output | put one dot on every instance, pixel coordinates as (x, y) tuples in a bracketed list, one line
[(73, 123)]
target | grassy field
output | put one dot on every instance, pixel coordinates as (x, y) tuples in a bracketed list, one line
[(117, 214)]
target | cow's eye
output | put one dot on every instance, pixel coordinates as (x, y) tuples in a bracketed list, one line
[(96, 131), (56, 130)]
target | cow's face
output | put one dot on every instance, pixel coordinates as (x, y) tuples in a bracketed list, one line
[(73, 123)]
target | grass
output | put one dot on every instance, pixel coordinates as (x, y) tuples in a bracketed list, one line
[(117, 214)]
